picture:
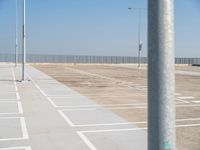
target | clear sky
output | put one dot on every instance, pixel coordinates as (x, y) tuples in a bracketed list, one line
[(94, 27)]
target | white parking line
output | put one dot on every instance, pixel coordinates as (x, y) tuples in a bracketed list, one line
[(37, 86), (14, 78), (24, 129), (118, 108), (95, 105), (17, 95), (15, 84), (87, 141), (66, 118), (197, 102), (17, 148), (20, 107), (177, 94), (8, 99), (51, 101), (186, 97), (183, 101)]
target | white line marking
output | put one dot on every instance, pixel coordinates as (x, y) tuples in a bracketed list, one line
[(66, 118), (118, 108), (177, 94), (86, 140), (188, 119), (110, 124), (8, 100), (183, 101), (64, 96), (197, 102), (20, 107), (9, 118), (133, 129), (24, 129), (188, 125), (14, 78), (17, 95), (15, 84), (43, 92), (113, 130), (9, 113), (79, 109), (186, 97), (187, 105), (131, 123), (96, 105), (37, 86), (52, 103), (17, 148)]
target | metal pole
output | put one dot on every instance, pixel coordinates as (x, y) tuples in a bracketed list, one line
[(16, 36), (161, 78), (24, 41), (139, 39), (140, 44)]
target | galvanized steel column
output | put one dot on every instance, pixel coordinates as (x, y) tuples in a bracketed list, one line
[(16, 35), (24, 41), (161, 78)]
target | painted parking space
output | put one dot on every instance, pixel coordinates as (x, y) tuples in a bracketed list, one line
[(7, 107), (95, 139), (13, 128)]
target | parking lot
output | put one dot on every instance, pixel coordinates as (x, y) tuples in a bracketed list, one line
[(123, 90), (89, 107)]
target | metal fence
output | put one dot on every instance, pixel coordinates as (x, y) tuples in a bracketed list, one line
[(37, 58)]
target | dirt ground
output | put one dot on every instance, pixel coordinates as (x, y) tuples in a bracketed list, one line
[(123, 90)]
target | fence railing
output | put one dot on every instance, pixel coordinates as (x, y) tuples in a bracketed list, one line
[(38, 58)]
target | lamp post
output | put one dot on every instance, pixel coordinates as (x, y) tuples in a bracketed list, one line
[(16, 36), (24, 41), (140, 43), (161, 77)]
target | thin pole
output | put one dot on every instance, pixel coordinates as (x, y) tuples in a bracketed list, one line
[(24, 41), (139, 39), (140, 44), (16, 36), (161, 78)]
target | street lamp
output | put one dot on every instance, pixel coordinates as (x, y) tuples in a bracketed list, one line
[(140, 43), (16, 36), (24, 41), (161, 76)]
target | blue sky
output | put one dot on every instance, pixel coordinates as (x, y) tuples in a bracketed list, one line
[(94, 27)]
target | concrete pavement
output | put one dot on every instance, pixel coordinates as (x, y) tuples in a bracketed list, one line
[(44, 114)]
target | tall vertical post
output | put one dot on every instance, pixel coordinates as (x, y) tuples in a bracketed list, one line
[(139, 38), (16, 36), (161, 78), (24, 41), (140, 44)]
